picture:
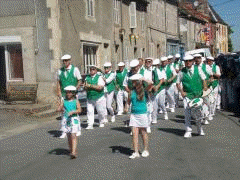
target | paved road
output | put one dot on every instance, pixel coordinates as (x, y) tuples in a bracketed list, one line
[(103, 152)]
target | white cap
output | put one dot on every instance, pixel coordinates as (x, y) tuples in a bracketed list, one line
[(66, 56), (188, 57), (92, 66), (149, 58), (203, 59), (134, 63), (107, 64), (211, 58), (177, 56), (136, 77), (121, 64), (156, 62), (197, 55), (70, 88), (164, 58), (170, 57)]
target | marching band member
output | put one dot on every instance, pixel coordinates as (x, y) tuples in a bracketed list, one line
[(109, 78), (159, 91), (171, 75), (122, 95), (215, 84), (94, 85), (193, 84), (208, 72), (141, 66)]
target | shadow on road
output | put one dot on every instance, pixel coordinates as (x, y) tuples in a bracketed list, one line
[(122, 150), (55, 133), (178, 120), (180, 116), (179, 132), (59, 151), (123, 129)]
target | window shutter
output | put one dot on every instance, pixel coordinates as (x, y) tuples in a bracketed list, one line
[(132, 14)]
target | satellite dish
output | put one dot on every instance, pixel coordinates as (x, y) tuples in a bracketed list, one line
[(196, 3)]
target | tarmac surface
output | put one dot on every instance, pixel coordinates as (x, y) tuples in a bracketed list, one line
[(30, 149)]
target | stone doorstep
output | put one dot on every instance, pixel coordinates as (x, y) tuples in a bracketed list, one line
[(26, 108)]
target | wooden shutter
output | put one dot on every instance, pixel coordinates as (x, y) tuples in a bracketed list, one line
[(132, 14)]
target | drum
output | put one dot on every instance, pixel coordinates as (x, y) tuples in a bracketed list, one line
[(208, 96), (196, 106)]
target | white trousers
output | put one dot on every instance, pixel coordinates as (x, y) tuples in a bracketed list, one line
[(121, 96), (170, 95), (197, 114), (213, 105), (150, 110), (159, 100), (176, 94), (109, 99), (100, 105)]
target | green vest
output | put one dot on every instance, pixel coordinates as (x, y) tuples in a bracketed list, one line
[(142, 71), (120, 76), (69, 106), (168, 74), (130, 85), (68, 80), (156, 81), (215, 82), (204, 68), (110, 86), (91, 93), (193, 86)]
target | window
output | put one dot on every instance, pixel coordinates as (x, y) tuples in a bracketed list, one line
[(143, 21), (90, 8), (116, 13), (89, 56), (132, 14)]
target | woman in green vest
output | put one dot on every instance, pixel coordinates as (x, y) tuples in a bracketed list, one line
[(94, 85), (122, 95), (193, 84), (109, 78)]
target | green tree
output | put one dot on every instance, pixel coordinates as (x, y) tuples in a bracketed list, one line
[(230, 45)]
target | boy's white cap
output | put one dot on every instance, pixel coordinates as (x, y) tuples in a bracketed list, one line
[(134, 63), (177, 56), (121, 64), (188, 57), (136, 77), (70, 88), (197, 55), (66, 56), (170, 57), (149, 58), (211, 58), (164, 58), (92, 66), (156, 62), (107, 64)]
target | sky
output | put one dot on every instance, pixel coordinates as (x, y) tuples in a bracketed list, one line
[(229, 10)]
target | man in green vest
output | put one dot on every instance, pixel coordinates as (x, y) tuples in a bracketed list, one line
[(159, 76), (193, 84), (215, 84), (208, 73), (68, 75), (109, 78), (122, 95), (169, 83), (94, 85)]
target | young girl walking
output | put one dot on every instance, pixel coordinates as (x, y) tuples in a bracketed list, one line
[(138, 118), (71, 108)]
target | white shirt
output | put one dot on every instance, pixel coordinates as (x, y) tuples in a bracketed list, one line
[(100, 80), (180, 74), (218, 73), (161, 74), (208, 69), (148, 73), (76, 72), (111, 77)]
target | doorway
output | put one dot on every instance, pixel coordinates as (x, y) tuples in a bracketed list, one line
[(3, 86)]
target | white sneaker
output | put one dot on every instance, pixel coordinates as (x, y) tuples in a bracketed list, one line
[(145, 153), (89, 127), (78, 133), (218, 107), (206, 122), (105, 121), (149, 130), (210, 118), (187, 134), (134, 155), (131, 133), (113, 119), (101, 125), (63, 135), (154, 122), (120, 113), (160, 112), (200, 132), (172, 110), (166, 116)]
